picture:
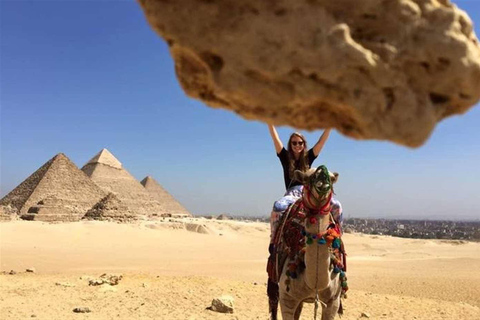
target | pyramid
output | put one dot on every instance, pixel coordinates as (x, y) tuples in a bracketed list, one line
[(110, 208), (168, 202), (108, 173), (57, 191)]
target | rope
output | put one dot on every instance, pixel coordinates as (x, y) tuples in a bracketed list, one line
[(317, 299), (326, 176)]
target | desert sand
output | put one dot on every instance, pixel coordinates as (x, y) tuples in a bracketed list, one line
[(172, 273)]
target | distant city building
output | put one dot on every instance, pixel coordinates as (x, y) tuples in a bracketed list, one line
[(420, 229)]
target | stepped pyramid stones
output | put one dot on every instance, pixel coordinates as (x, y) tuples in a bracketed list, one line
[(57, 191), (168, 202), (108, 173), (110, 208)]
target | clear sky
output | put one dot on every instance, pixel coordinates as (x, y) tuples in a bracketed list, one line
[(79, 76)]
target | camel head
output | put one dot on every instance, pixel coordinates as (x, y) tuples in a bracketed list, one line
[(318, 186)]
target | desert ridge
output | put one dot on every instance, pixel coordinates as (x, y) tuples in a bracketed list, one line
[(102, 190)]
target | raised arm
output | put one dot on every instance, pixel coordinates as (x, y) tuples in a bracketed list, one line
[(276, 140), (321, 142)]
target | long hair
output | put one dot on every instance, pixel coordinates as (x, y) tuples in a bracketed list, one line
[(303, 159)]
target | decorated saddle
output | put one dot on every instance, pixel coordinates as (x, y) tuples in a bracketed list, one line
[(290, 240)]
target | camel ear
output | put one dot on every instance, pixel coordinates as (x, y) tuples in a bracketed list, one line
[(300, 176), (334, 177)]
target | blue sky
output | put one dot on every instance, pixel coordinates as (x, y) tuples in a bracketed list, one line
[(79, 76)]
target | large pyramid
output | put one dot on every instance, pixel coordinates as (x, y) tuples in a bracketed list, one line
[(57, 191), (108, 173), (168, 202)]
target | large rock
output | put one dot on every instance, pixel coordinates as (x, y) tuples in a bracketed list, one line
[(222, 304), (372, 69)]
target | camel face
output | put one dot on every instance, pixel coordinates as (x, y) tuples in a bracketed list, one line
[(316, 177)]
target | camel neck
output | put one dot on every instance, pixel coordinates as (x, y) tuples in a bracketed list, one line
[(317, 257)]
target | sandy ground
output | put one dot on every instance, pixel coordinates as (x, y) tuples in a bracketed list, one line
[(171, 273)]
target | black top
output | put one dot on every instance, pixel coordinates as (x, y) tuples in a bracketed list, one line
[(283, 156)]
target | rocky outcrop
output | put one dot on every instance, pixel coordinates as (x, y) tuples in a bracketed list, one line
[(106, 278), (372, 69), (222, 304), (197, 228)]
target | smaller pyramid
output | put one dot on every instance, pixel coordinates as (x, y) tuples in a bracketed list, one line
[(110, 208), (57, 191), (8, 213), (168, 202)]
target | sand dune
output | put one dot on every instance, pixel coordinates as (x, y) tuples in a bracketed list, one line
[(172, 273)]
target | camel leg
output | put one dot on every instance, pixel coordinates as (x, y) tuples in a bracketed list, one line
[(298, 311), (288, 306), (330, 311), (272, 291)]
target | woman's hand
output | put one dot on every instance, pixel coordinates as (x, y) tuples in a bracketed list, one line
[(321, 142), (276, 140)]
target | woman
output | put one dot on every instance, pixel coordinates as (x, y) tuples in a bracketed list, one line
[(297, 157)]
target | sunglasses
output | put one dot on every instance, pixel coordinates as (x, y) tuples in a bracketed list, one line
[(300, 143)]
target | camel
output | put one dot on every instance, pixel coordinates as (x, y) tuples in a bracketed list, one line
[(323, 276)]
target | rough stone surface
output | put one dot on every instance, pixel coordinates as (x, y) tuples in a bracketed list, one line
[(57, 191), (168, 202), (106, 278), (372, 69), (117, 180), (196, 227), (111, 208), (223, 304), (53, 209)]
